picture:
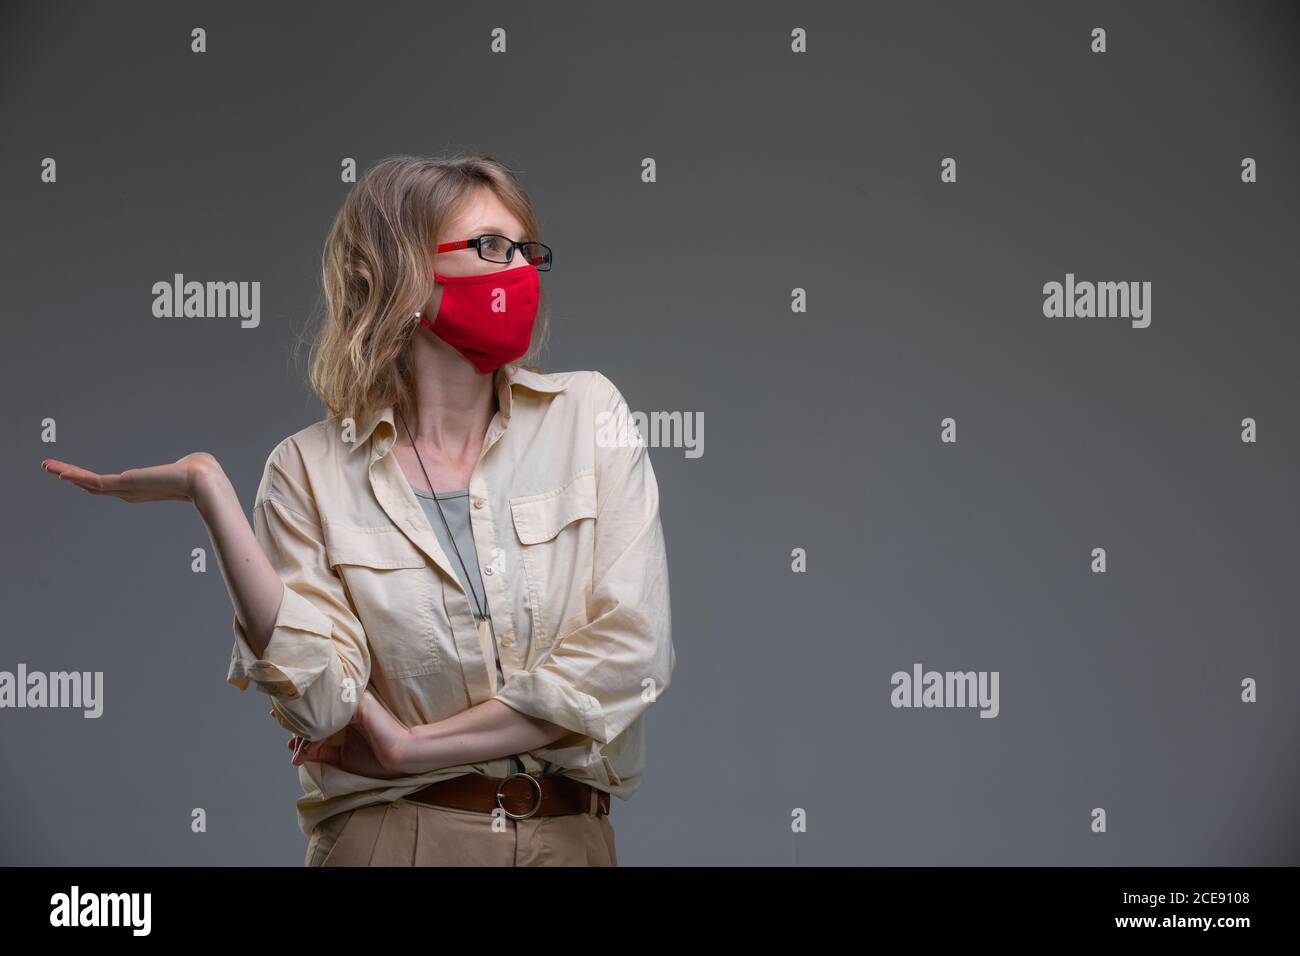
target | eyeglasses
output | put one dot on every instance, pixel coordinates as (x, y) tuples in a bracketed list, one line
[(494, 248)]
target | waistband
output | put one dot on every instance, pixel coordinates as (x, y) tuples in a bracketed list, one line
[(520, 795)]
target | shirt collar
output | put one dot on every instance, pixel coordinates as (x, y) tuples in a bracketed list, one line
[(507, 376)]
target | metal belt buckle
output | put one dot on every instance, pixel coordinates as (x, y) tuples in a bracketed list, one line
[(536, 807)]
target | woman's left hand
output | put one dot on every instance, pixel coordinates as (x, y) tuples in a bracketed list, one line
[(389, 737), (354, 754), (373, 743)]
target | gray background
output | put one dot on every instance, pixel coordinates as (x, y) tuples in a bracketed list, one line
[(822, 430)]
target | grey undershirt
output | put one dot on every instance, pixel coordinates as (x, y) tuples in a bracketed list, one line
[(455, 505)]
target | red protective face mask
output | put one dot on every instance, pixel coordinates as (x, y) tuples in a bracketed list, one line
[(488, 318)]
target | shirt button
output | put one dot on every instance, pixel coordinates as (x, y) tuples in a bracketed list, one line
[(478, 502), (487, 569)]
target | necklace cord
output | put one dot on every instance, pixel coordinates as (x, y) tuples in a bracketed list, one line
[(482, 615)]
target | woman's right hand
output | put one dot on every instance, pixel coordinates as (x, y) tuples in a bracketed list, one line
[(256, 588), (182, 480)]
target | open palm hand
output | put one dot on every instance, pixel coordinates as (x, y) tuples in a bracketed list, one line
[(178, 481)]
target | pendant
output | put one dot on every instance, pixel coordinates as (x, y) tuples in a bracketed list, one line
[(489, 658)]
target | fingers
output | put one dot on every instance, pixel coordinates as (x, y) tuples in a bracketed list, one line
[(60, 469), (64, 469), (321, 753), (316, 750), (152, 483), (83, 478)]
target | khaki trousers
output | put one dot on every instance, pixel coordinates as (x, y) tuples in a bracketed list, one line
[(401, 833)]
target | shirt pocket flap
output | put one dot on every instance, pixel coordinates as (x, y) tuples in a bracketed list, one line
[(371, 547), (540, 517)]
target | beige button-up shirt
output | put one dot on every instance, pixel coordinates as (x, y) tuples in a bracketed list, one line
[(566, 523)]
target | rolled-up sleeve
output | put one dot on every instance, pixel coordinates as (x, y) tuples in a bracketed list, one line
[(317, 663), (600, 678)]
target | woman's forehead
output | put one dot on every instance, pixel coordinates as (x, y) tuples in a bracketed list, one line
[(484, 212)]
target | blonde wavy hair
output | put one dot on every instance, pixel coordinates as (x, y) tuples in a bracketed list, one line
[(377, 272)]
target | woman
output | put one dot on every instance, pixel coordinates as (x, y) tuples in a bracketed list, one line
[(455, 589)]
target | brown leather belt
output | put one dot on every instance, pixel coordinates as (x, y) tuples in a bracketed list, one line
[(520, 795)]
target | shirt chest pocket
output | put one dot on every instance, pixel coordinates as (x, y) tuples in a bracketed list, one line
[(556, 534), (391, 585)]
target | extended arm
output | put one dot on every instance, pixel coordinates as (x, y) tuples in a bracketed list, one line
[(256, 590), (316, 663), (296, 638)]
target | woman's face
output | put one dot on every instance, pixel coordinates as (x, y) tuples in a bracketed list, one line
[(483, 213)]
